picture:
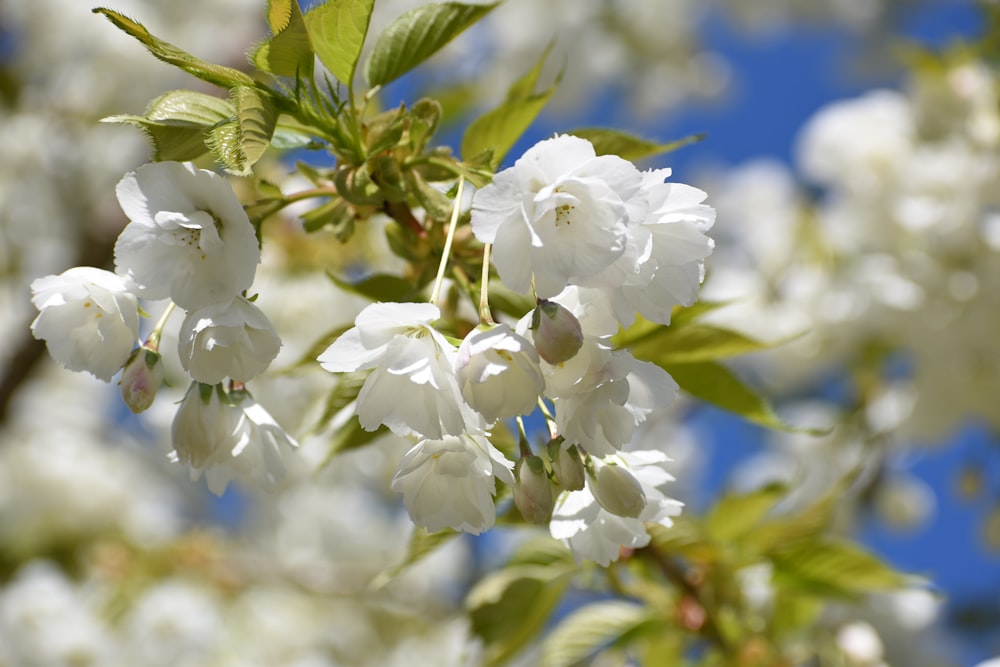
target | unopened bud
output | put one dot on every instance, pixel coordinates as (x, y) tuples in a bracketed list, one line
[(534, 493), (567, 466), (617, 490), (141, 379), (556, 332)]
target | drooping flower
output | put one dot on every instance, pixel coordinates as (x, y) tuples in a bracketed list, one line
[(229, 436), (232, 339), (498, 373), (594, 533), (413, 388), (450, 483), (558, 215), (88, 319), (188, 237)]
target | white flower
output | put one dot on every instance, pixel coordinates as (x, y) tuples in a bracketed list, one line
[(228, 437), (558, 215), (88, 319), (596, 534), (498, 373), (671, 268), (231, 339), (189, 239), (450, 483), (603, 419), (413, 388)]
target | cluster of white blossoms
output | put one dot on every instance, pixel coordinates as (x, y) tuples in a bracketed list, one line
[(190, 241), (595, 241)]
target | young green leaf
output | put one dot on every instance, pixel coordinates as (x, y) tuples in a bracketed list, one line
[(422, 544), (509, 607), (833, 566), (177, 123), (736, 515), (716, 384), (380, 287), (628, 146), (681, 344), (416, 36), (500, 128), (590, 628), (239, 143), (288, 52), (337, 30), (225, 77)]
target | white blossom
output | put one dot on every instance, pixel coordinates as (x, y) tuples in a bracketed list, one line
[(450, 483), (596, 534), (558, 215), (413, 388), (88, 319), (498, 373), (188, 237), (229, 437), (232, 339)]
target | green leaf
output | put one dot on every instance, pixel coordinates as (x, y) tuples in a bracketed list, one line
[(683, 344), (288, 52), (422, 544), (337, 30), (590, 628), (334, 213), (716, 384), (350, 436), (239, 143), (380, 287), (178, 122), (833, 567), (416, 36), (225, 77), (736, 515), (509, 607), (630, 147), (342, 395), (500, 128)]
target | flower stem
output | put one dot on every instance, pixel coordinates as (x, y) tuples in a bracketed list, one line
[(153, 340), (446, 252), (485, 316), (550, 420)]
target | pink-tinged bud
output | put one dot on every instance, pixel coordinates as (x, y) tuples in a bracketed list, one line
[(141, 379), (567, 466), (617, 489), (534, 492), (556, 332)]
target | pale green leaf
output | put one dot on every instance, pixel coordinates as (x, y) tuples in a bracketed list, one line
[(190, 106), (615, 142), (171, 140), (337, 30), (509, 607), (224, 141), (416, 36), (350, 436), (833, 566), (497, 130), (380, 287), (422, 544), (736, 515), (716, 384), (683, 343), (591, 628), (257, 115), (225, 77), (288, 52), (342, 395)]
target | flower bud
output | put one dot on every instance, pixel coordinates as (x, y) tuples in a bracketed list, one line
[(556, 332), (617, 489), (141, 379), (567, 466), (534, 493)]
